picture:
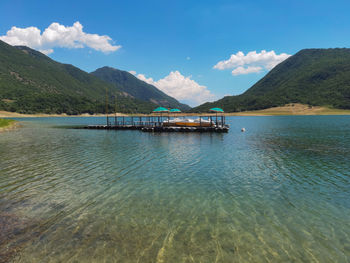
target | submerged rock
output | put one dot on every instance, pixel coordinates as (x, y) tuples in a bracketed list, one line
[(13, 235)]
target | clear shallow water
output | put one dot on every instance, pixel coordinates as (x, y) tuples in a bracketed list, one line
[(280, 192)]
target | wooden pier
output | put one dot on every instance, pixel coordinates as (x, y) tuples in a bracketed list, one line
[(161, 124)]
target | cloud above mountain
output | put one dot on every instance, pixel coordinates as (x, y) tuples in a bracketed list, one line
[(180, 87), (247, 70), (57, 35), (252, 62)]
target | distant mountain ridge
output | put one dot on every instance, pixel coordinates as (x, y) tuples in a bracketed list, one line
[(126, 82), (31, 82), (312, 76)]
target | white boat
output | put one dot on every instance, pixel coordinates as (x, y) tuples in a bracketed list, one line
[(186, 122)]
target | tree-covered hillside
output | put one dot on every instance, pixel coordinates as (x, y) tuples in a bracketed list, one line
[(31, 82), (312, 76), (137, 88)]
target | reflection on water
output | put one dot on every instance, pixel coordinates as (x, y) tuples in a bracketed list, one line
[(278, 192)]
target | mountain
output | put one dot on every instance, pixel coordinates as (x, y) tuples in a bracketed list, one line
[(31, 82), (137, 88), (312, 76)]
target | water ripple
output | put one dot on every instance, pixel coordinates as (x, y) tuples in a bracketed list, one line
[(277, 193)]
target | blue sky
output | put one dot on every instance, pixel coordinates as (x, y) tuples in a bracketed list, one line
[(176, 44)]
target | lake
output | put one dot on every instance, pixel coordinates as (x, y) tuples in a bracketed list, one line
[(279, 192)]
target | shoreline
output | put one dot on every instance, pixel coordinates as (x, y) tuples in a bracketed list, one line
[(294, 110), (12, 125), (287, 110)]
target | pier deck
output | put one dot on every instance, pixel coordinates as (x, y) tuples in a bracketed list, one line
[(159, 128), (158, 124)]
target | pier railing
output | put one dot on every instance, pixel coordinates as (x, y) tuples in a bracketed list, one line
[(159, 121), (163, 124)]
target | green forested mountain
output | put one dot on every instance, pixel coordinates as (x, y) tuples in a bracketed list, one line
[(31, 82), (137, 88), (312, 76)]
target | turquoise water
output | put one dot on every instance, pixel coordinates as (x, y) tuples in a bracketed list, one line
[(280, 192)]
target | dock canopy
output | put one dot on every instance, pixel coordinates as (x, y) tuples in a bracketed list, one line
[(160, 110), (175, 110), (217, 109)]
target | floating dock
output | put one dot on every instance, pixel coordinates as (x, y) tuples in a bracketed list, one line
[(159, 124), (158, 128)]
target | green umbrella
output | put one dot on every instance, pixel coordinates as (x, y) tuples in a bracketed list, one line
[(175, 111), (217, 109), (160, 110)]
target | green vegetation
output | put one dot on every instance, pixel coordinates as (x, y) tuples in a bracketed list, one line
[(5, 123), (31, 82), (312, 76), (128, 83)]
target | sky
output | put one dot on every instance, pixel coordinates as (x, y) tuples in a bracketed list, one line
[(195, 51)]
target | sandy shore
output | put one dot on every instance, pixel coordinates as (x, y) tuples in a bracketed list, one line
[(290, 109), (293, 109)]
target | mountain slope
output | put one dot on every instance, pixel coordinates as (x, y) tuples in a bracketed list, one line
[(137, 88), (31, 82), (312, 76)]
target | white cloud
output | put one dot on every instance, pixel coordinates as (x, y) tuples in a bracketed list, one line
[(46, 51), (247, 70), (57, 35), (148, 80), (252, 62), (188, 58), (180, 87)]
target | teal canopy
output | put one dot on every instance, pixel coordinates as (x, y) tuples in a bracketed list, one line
[(160, 109), (175, 110), (217, 109)]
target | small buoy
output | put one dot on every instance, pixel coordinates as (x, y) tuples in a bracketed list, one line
[(243, 130)]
